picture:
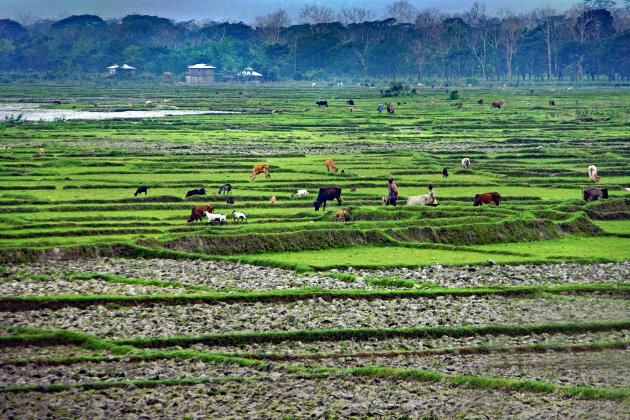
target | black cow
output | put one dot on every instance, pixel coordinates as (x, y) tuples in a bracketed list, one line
[(350, 102), (414, 91), (200, 191), (322, 103), (325, 194), (225, 188), (230, 200), (594, 194), (142, 189), (445, 173)]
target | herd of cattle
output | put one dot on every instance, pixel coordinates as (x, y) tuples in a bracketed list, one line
[(334, 193)]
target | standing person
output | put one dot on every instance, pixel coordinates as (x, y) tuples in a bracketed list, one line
[(431, 195), (392, 192), (380, 108)]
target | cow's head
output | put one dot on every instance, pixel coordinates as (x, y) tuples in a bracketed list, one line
[(604, 192), (316, 204), (477, 200), (202, 191), (585, 195), (336, 169)]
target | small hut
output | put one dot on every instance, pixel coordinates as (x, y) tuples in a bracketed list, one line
[(200, 74), (124, 70)]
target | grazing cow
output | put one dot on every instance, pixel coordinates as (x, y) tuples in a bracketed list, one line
[(325, 194), (414, 91), (259, 169), (594, 194), (569, 89), (200, 191), (215, 217), (350, 102), (322, 103), (142, 189), (240, 216), (390, 108), (487, 198), (592, 173), (147, 103), (342, 215), (480, 101), (197, 212), (225, 189), (272, 200), (445, 173), (496, 105), (552, 103), (230, 200), (420, 200), (56, 102), (168, 101), (465, 163), (330, 165), (300, 193)]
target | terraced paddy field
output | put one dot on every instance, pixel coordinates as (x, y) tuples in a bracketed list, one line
[(114, 305)]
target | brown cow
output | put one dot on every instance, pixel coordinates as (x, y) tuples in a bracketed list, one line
[(487, 198), (197, 212), (272, 200), (259, 169), (496, 105), (390, 108), (330, 165)]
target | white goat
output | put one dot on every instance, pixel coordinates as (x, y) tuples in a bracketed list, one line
[(239, 215), (465, 163), (420, 200), (214, 217), (592, 173), (300, 193)]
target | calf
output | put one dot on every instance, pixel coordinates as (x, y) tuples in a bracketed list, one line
[(214, 217), (322, 103), (552, 103), (259, 169), (272, 200), (330, 165), (496, 104), (342, 215), (197, 212), (200, 191), (594, 194), (225, 189), (325, 194), (142, 189), (480, 101), (239, 215), (350, 102), (230, 200), (445, 173), (487, 198), (465, 163), (300, 193)]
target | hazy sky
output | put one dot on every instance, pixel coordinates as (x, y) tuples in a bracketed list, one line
[(234, 10)]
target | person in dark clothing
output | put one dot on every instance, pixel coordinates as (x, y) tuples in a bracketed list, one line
[(392, 192)]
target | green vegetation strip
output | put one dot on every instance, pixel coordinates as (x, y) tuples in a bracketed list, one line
[(457, 351), (125, 280), (371, 333), (26, 303), (484, 382)]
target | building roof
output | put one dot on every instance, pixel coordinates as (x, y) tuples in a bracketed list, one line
[(127, 67), (201, 66), (250, 72), (115, 66)]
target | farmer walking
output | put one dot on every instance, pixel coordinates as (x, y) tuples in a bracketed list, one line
[(392, 192)]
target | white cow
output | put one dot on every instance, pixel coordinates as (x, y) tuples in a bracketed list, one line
[(420, 200), (239, 215), (465, 163), (592, 173), (215, 217), (300, 193)]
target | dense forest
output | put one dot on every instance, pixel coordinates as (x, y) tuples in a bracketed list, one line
[(586, 42)]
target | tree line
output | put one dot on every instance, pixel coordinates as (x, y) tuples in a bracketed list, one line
[(588, 41)]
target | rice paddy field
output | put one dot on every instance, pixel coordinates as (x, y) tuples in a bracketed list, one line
[(114, 305)]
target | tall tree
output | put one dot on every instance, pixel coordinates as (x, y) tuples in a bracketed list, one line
[(547, 23), (270, 25), (316, 16), (402, 11)]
